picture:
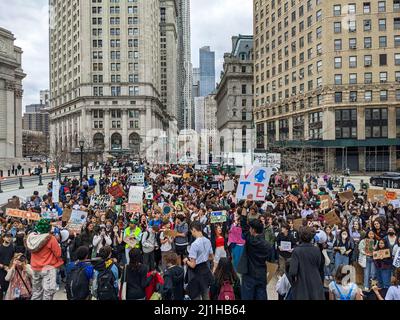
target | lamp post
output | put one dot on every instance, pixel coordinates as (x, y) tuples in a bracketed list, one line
[(81, 145)]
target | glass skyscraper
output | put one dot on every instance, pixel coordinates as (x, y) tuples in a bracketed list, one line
[(207, 71)]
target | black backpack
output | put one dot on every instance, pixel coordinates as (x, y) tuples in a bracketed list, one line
[(77, 284), (105, 285)]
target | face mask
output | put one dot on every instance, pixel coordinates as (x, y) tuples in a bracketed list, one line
[(391, 233)]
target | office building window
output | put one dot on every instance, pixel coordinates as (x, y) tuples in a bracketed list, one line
[(346, 123), (376, 123)]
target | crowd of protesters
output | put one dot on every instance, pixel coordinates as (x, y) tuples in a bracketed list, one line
[(179, 253)]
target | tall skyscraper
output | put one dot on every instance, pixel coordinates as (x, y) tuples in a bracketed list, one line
[(207, 71), (185, 77), (196, 82), (11, 76), (106, 72), (327, 77)]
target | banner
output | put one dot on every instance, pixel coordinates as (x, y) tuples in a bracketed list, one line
[(136, 195), (260, 159), (56, 191), (253, 183), (116, 191), (218, 217), (22, 214), (346, 196), (100, 201), (76, 221), (229, 185), (137, 178)]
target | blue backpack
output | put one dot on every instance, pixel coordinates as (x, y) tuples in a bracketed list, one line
[(342, 296)]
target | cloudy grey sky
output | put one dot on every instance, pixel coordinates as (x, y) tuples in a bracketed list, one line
[(213, 24)]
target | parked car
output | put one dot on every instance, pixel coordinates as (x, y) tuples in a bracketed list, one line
[(387, 179), (70, 168)]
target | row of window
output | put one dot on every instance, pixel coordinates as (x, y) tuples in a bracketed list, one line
[(115, 66), (115, 113), (115, 10), (115, 91), (353, 79), (133, 124), (366, 8)]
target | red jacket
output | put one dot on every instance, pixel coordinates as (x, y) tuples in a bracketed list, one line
[(49, 255), (157, 279)]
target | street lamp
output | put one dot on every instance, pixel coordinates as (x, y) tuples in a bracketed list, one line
[(81, 145)]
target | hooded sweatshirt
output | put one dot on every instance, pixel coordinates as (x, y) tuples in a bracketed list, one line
[(45, 251)]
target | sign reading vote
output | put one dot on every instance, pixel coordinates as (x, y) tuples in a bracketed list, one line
[(253, 183)]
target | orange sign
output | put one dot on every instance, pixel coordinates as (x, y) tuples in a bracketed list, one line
[(391, 195), (23, 214)]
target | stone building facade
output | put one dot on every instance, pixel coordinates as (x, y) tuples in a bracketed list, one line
[(11, 76)]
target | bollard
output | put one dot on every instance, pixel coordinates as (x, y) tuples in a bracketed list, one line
[(40, 180), (29, 171), (1, 191), (23, 171), (1, 173), (342, 182), (20, 183), (9, 173), (101, 173)]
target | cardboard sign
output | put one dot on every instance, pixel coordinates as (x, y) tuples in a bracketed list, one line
[(66, 214), (76, 221), (326, 202), (218, 217), (229, 185), (49, 215), (271, 270), (297, 223), (131, 241), (253, 183), (136, 194), (116, 191), (391, 195), (331, 218), (174, 176), (13, 203), (381, 254), (134, 208), (33, 216), (346, 196), (376, 195)]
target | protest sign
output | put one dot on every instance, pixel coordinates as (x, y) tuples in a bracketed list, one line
[(391, 195), (66, 214), (381, 254), (200, 167), (77, 220), (56, 191), (253, 183), (116, 191), (148, 189), (369, 246), (13, 203), (149, 196), (326, 202), (137, 178), (229, 185), (22, 214), (271, 270), (174, 176), (395, 203), (153, 175), (134, 208), (136, 194), (100, 201), (376, 195), (274, 160), (331, 218), (51, 215), (285, 246), (346, 196), (131, 241), (218, 217), (219, 178), (260, 159), (214, 184), (166, 209), (396, 259)]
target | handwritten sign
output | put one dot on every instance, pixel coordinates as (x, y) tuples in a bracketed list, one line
[(137, 178), (346, 196), (100, 201), (376, 195), (218, 217), (153, 176), (331, 218), (131, 241), (381, 254), (56, 191), (136, 194), (200, 167), (391, 195), (395, 203), (116, 191), (253, 183), (77, 220), (134, 208), (396, 260), (369, 246), (22, 214), (286, 246), (51, 215)]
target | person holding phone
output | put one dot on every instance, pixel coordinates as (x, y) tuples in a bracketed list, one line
[(19, 277), (100, 239)]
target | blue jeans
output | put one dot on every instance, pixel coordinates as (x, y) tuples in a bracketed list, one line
[(340, 259), (384, 277), (369, 272), (253, 289), (328, 270)]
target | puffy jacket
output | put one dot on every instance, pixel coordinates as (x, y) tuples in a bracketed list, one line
[(45, 251)]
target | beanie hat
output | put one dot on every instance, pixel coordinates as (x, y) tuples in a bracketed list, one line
[(43, 226)]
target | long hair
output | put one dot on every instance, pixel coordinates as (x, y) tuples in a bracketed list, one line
[(135, 259), (225, 272)]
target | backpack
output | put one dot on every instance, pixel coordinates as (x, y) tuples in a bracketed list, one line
[(342, 296), (105, 285), (77, 284), (226, 292)]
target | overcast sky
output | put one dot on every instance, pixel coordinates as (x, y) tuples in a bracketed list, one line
[(214, 22)]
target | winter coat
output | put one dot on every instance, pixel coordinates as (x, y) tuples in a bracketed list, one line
[(45, 251)]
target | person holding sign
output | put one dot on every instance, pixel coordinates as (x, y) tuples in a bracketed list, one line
[(285, 243), (366, 247), (383, 265), (132, 237), (343, 247)]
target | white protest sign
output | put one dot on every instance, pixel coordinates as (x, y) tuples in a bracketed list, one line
[(56, 191), (395, 203), (229, 185), (137, 177), (396, 260), (253, 183), (260, 159), (286, 246), (274, 160), (149, 196), (136, 194), (200, 167), (148, 189), (153, 176), (78, 218)]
